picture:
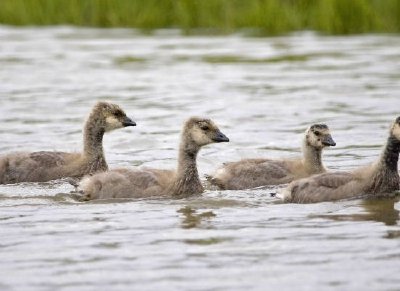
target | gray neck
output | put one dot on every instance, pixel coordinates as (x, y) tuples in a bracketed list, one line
[(386, 178), (187, 181), (93, 141), (312, 158), (390, 155)]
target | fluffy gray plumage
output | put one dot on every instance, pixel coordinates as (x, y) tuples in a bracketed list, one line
[(48, 165), (250, 173), (379, 179), (135, 183)]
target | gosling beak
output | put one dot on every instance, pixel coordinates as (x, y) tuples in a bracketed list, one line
[(220, 137), (328, 141), (128, 122)]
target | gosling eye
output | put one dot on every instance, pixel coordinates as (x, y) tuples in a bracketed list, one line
[(205, 127), (118, 114), (317, 133)]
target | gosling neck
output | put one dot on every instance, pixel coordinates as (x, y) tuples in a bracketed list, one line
[(385, 178), (93, 140), (390, 154), (312, 160), (187, 181)]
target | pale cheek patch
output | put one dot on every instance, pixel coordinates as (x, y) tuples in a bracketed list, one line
[(200, 138), (112, 123), (313, 140)]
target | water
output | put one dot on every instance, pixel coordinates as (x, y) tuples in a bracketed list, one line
[(263, 93)]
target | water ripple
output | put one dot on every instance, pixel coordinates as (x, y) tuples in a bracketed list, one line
[(263, 93)]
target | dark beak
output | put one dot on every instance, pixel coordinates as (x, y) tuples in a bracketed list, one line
[(220, 137), (128, 122), (328, 141)]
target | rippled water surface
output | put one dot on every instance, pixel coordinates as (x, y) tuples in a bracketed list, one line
[(263, 93)]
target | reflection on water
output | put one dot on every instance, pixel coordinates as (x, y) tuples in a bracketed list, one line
[(380, 210), (192, 219), (263, 93), (393, 234)]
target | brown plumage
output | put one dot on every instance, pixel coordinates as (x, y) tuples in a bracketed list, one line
[(250, 173), (49, 165), (379, 179), (135, 183)]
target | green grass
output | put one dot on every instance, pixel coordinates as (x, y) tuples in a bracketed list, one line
[(266, 17)]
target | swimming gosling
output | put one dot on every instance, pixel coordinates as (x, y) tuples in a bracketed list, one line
[(134, 183), (251, 173), (379, 179), (49, 165)]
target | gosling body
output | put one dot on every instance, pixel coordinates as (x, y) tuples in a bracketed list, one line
[(251, 173), (44, 166), (141, 183), (379, 179)]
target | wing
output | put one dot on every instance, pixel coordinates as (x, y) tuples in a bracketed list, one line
[(333, 180), (121, 183), (48, 159), (322, 187), (252, 173), (31, 167)]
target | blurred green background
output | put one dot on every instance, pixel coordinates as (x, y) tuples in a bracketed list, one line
[(265, 17)]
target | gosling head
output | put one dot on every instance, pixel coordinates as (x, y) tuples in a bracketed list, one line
[(395, 129), (111, 116), (319, 136), (203, 131)]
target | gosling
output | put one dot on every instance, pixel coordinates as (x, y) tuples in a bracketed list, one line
[(379, 179), (50, 165), (133, 183), (251, 173)]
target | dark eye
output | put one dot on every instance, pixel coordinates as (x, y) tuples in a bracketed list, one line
[(204, 127), (118, 114), (317, 133)]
